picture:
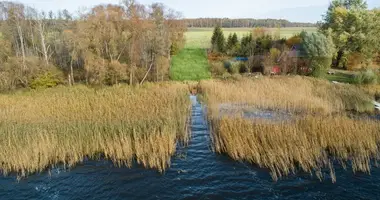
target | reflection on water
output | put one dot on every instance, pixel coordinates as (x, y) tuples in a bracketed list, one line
[(196, 173)]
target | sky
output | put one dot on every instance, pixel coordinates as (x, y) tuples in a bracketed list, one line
[(293, 10)]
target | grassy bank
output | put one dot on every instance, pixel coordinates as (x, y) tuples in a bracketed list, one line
[(64, 125), (313, 133), (190, 64)]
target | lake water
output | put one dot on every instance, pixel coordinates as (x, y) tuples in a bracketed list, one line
[(196, 173)]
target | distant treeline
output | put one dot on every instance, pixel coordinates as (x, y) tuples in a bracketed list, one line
[(244, 23)]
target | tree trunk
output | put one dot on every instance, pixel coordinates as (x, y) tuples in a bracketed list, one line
[(43, 44), (146, 75), (131, 75), (71, 72), (22, 45)]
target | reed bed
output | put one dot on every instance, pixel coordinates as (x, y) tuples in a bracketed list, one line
[(317, 135), (292, 94), (63, 126)]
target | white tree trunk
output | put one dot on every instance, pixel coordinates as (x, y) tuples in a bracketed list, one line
[(22, 45), (43, 44)]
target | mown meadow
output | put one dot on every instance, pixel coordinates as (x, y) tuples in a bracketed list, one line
[(315, 125), (40, 129)]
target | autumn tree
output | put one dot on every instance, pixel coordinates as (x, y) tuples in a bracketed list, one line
[(109, 44), (351, 28)]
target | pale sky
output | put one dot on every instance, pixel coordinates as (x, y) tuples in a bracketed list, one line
[(293, 10)]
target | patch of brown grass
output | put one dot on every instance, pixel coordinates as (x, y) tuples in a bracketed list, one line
[(43, 128)]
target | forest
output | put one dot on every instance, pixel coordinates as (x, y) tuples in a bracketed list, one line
[(245, 23), (109, 44)]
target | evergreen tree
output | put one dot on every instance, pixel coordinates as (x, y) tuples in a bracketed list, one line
[(229, 45), (235, 39), (218, 40), (246, 46), (232, 44)]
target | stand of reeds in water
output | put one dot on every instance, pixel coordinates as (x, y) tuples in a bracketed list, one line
[(312, 132), (63, 126)]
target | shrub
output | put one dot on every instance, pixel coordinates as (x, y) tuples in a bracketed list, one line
[(320, 66), (255, 64), (366, 77), (237, 77), (46, 80), (227, 65), (235, 68), (14, 74), (217, 68), (116, 72), (226, 75), (243, 68)]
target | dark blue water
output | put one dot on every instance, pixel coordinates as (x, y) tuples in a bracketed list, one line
[(196, 173)]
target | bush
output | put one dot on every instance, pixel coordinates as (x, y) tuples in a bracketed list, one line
[(226, 75), (116, 73), (235, 68), (366, 77), (237, 77), (227, 65), (255, 64), (217, 68), (35, 73), (46, 80), (320, 66), (243, 68)]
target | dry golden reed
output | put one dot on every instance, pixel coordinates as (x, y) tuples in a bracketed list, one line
[(43, 128), (310, 144), (292, 94), (315, 135)]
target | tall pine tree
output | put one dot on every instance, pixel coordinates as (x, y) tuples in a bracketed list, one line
[(218, 41)]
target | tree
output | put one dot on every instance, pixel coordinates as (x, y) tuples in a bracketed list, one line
[(247, 45), (319, 50), (107, 44), (229, 42), (232, 44), (218, 40), (349, 24)]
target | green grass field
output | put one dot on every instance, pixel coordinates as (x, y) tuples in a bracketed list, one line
[(190, 64)]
